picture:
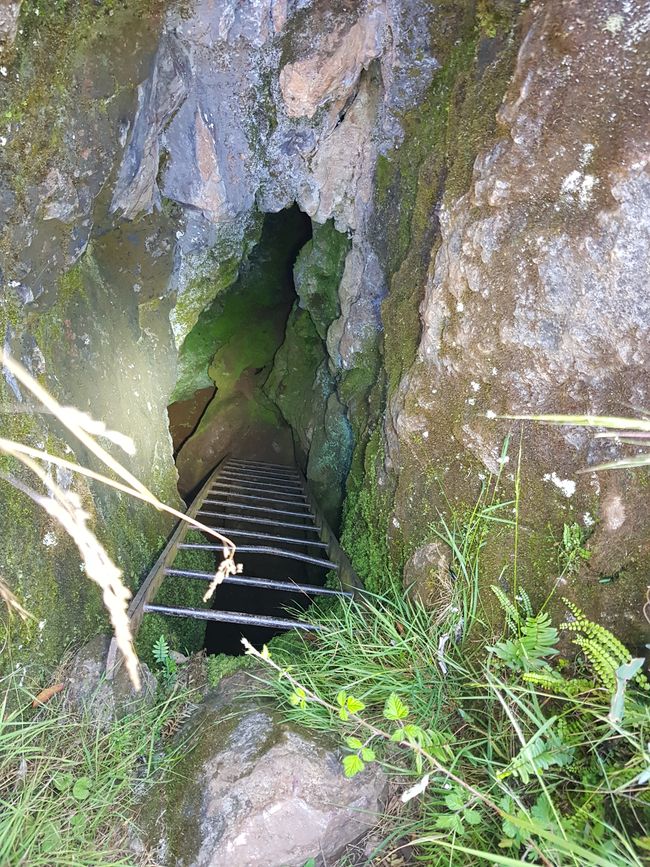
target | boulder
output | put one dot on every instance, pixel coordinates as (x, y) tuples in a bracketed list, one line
[(87, 688), (253, 790), (427, 577)]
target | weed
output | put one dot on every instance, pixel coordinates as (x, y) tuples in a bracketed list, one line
[(68, 785), (167, 668), (572, 551), (503, 756)]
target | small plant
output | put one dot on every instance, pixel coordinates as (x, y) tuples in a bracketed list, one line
[(167, 665), (535, 641), (604, 653), (572, 551)]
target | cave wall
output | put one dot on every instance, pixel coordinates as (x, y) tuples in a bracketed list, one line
[(519, 266), (82, 304), (475, 174)]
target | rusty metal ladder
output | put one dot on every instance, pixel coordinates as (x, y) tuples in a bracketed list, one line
[(275, 516)]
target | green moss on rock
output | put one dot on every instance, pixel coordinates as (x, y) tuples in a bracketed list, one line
[(317, 274)]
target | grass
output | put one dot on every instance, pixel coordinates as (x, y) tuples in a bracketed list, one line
[(526, 759), (68, 786)]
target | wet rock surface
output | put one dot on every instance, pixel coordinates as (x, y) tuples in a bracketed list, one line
[(259, 792)]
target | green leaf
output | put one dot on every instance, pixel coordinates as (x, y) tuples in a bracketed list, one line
[(51, 837), (455, 800), (624, 673), (451, 822), (78, 822), (398, 735), (354, 705), (341, 698), (160, 650), (297, 698), (81, 789), (395, 708), (473, 817), (344, 715), (368, 755), (414, 732), (62, 782), (354, 743), (352, 765), (310, 863)]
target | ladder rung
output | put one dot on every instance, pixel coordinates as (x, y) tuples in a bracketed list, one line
[(308, 527), (245, 483), (262, 549), (232, 617), (262, 464), (267, 474), (229, 476), (263, 583), (257, 489), (265, 537), (253, 497), (306, 514)]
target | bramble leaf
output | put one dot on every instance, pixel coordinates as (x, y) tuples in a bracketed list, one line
[(354, 705), (395, 708), (352, 765)]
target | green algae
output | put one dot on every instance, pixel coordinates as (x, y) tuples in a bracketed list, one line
[(293, 382), (317, 274), (432, 166), (443, 135), (366, 516)]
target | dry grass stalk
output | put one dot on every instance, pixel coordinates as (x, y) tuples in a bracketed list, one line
[(12, 603), (66, 508)]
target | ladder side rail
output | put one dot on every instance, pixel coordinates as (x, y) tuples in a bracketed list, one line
[(154, 579), (348, 578)]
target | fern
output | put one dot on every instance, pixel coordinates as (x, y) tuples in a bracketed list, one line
[(513, 617), (541, 752), (160, 650), (602, 650), (551, 681), (523, 599), (531, 649)]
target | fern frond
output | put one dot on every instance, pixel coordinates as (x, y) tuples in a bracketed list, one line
[(513, 618), (602, 663), (541, 752), (530, 650), (602, 648), (553, 682), (524, 601)]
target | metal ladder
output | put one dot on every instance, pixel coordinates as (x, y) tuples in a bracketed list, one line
[(266, 509)]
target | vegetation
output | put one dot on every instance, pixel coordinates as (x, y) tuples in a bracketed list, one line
[(69, 785), (506, 751)]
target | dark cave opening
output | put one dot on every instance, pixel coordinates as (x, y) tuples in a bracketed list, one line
[(249, 321)]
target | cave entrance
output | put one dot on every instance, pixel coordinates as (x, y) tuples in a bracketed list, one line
[(234, 344), (219, 405)]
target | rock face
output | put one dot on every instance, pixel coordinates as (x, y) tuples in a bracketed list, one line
[(9, 13), (478, 181), (536, 299), (257, 792)]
